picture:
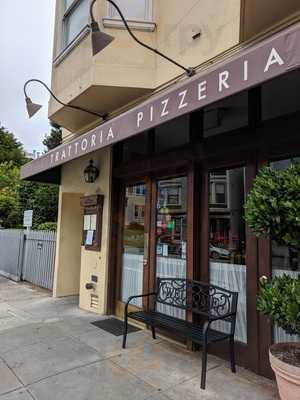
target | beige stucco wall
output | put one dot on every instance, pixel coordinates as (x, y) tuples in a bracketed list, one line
[(67, 260), (177, 22), (128, 65), (75, 265)]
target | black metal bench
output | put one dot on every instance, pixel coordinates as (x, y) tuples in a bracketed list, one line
[(211, 303)]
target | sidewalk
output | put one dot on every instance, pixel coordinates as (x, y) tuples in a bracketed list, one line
[(49, 350)]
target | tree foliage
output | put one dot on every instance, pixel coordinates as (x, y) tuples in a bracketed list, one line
[(16, 196), (9, 183), (280, 299), (54, 138), (273, 205), (11, 149), (41, 198), (273, 209)]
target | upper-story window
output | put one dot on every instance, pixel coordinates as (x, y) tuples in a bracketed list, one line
[(134, 10), (75, 19)]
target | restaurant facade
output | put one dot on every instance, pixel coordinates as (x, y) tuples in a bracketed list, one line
[(175, 166)]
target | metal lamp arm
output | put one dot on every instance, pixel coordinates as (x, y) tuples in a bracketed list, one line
[(189, 71), (59, 101)]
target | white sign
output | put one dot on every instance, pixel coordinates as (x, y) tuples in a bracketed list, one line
[(27, 219)]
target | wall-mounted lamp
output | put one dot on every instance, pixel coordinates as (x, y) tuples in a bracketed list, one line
[(100, 39), (33, 108), (91, 173)]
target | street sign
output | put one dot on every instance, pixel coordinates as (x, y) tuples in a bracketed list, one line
[(27, 220)]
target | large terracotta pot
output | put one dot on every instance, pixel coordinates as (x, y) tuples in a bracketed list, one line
[(287, 375)]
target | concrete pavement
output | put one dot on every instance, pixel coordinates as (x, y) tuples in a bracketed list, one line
[(49, 350)]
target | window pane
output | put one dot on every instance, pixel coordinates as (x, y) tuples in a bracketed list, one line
[(227, 242), (76, 21), (226, 115), (281, 96), (131, 9), (136, 147), (172, 134), (171, 234), (133, 240), (285, 260)]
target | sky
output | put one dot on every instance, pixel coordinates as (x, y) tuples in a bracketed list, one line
[(26, 37)]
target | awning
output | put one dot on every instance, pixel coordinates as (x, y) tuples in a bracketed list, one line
[(247, 68)]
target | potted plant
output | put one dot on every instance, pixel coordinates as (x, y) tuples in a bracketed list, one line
[(273, 210)]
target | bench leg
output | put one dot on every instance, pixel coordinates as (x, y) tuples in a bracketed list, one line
[(125, 328), (232, 354), (153, 332), (204, 365)]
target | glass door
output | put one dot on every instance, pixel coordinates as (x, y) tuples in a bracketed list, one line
[(227, 241), (171, 233), (134, 254)]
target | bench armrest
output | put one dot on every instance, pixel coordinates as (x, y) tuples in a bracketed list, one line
[(212, 319), (136, 297)]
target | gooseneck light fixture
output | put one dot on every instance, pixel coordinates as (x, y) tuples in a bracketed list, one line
[(33, 108), (100, 39)]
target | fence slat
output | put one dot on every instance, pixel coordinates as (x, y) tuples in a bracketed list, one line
[(28, 256), (11, 253)]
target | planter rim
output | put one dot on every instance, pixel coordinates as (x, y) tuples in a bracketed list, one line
[(281, 365)]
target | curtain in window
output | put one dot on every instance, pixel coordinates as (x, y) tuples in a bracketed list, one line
[(232, 277)]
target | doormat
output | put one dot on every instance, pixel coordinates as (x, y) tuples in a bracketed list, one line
[(114, 326)]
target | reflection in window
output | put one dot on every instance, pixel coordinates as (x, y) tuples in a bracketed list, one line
[(281, 96), (133, 242), (226, 115), (171, 233), (285, 260), (76, 18), (227, 242), (172, 134), (136, 147)]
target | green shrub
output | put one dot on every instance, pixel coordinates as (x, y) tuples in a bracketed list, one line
[(273, 210), (279, 298), (47, 226), (273, 206)]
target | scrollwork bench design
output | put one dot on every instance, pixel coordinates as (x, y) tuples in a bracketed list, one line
[(210, 303)]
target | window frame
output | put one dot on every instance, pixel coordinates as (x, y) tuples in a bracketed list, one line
[(148, 14), (67, 12)]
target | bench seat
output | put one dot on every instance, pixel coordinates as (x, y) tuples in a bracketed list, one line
[(183, 328), (209, 302)]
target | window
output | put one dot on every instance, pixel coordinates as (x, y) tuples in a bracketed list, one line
[(171, 233), (281, 96), (227, 241), (75, 19), (140, 10), (220, 193), (226, 115), (180, 134)]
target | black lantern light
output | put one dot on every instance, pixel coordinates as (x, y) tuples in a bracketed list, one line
[(91, 173)]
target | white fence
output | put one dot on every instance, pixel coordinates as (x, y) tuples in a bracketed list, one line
[(28, 256)]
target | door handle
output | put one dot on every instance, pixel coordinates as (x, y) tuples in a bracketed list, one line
[(145, 262)]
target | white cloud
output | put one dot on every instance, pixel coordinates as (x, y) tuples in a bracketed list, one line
[(26, 36)]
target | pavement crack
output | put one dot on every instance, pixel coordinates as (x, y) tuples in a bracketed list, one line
[(12, 371)]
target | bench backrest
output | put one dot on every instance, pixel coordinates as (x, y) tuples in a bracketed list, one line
[(201, 298)]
